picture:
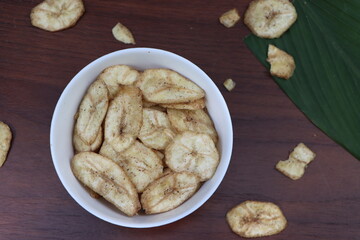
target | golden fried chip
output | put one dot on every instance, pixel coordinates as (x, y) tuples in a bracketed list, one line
[(193, 105), (193, 152), (123, 34), (56, 15), (81, 146), (168, 192), (5, 141), (230, 18), (282, 64), (302, 153), (116, 76), (299, 158), (108, 151), (91, 112), (167, 86), (192, 120), (256, 219), (108, 179), (229, 84), (291, 168), (156, 130), (124, 118), (142, 165), (270, 18)]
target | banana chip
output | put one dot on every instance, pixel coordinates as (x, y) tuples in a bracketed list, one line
[(167, 86), (270, 18), (303, 154), (81, 146), (56, 15), (108, 151), (123, 34), (282, 64), (124, 118), (116, 76), (196, 121), (193, 105), (168, 192), (5, 142), (108, 179), (142, 165), (229, 84), (256, 219), (299, 158), (91, 112), (230, 18), (156, 130), (193, 152)]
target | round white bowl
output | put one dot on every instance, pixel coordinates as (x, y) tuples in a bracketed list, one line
[(63, 122)]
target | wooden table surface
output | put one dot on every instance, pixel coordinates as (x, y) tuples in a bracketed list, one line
[(36, 66)]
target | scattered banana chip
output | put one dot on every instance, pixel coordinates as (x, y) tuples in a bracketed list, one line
[(291, 168), (56, 15), (5, 141), (123, 34), (230, 18), (124, 118), (256, 219), (282, 64), (299, 158), (156, 130), (116, 76), (196, 121), (193, 152), (270, 18), (193, 105), (167, 86), (302, 153), (81, 146), (91, 112), (168, 192), (108, 179), (229, 84)]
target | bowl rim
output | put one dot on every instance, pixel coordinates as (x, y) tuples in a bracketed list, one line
[(220, 172)]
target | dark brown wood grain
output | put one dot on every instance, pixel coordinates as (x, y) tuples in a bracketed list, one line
[(36, 65)]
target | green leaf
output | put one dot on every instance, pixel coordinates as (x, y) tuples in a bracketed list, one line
[(325, 43)]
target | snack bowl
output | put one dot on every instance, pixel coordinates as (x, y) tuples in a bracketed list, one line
[(63, 122)]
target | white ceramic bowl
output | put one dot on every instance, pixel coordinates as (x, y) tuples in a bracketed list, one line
[(63, 121)]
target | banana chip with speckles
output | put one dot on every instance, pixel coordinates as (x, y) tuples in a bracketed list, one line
[(169, 191), (108, 179)]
